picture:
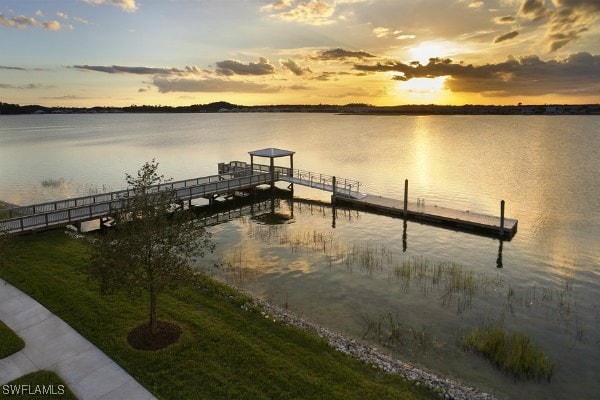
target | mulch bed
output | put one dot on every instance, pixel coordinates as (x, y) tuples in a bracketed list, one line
[(141, 338)]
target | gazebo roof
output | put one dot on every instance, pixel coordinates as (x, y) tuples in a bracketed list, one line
[(271, 152)]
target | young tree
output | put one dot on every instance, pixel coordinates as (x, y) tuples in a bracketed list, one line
[(151, 245)]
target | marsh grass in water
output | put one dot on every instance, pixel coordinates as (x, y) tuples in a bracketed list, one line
[(53, 183), (451, 284), (452, 281), (387, 330), (562, 305), (236, 267), (514, 353), (368, 258)]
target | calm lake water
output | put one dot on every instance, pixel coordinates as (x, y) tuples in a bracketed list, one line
[(355, 277)]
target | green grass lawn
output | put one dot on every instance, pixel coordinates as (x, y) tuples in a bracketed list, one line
[(225, 351), (10, 343), (35, 384)]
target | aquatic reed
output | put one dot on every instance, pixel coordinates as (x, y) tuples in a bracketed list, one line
[(452, 284), (514, 353), (53, 183), (388, 331), (453, 281)]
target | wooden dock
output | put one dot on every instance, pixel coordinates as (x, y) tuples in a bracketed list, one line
[(237, 176), (72, 211), (347, 191), (434, 215)]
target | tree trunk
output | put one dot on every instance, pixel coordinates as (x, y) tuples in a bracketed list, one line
[(153, 320)]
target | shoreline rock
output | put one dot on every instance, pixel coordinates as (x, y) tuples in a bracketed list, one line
[(449, 388)]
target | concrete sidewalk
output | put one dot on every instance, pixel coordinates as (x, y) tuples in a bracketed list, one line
[(51, 344)]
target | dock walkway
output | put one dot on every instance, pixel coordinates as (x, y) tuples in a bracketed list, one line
[(63, 212), (238, 176)]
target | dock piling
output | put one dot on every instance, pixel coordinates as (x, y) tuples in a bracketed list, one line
[(333, 184), (502, 218), (405, 198)]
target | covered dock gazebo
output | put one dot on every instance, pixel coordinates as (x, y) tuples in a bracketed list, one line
[(272, 153)]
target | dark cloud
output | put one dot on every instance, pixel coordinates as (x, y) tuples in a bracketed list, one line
[(567, 20), (341, 54), (13, 68), (211, 85), (234, 67), (570, 20), (589, 4), (325, 76), (296, 69), (509, 19), (302, 87), (193, 79), (506, 36), (66, 97), (533, 9), (29, 86), (118, 69), (526, 76)]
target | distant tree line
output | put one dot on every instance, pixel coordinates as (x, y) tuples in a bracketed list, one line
[(353, 108)]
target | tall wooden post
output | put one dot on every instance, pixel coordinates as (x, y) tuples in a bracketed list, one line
[(334, 190), (502, 218), (272, 170), (333, 216), (292, 172), (251, 164), (405, 198)]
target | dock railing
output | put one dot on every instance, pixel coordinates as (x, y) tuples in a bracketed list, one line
[(343, 186), (46, 215), (111, 196)]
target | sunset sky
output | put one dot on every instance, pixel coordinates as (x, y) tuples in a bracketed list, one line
[(259, 52)]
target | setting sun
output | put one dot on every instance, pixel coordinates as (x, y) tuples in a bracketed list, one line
[(427, 50), (423, 90)]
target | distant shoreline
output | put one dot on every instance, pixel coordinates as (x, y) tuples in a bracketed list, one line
[(348, 109)]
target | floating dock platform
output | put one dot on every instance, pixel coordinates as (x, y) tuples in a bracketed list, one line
[(434, 215)]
